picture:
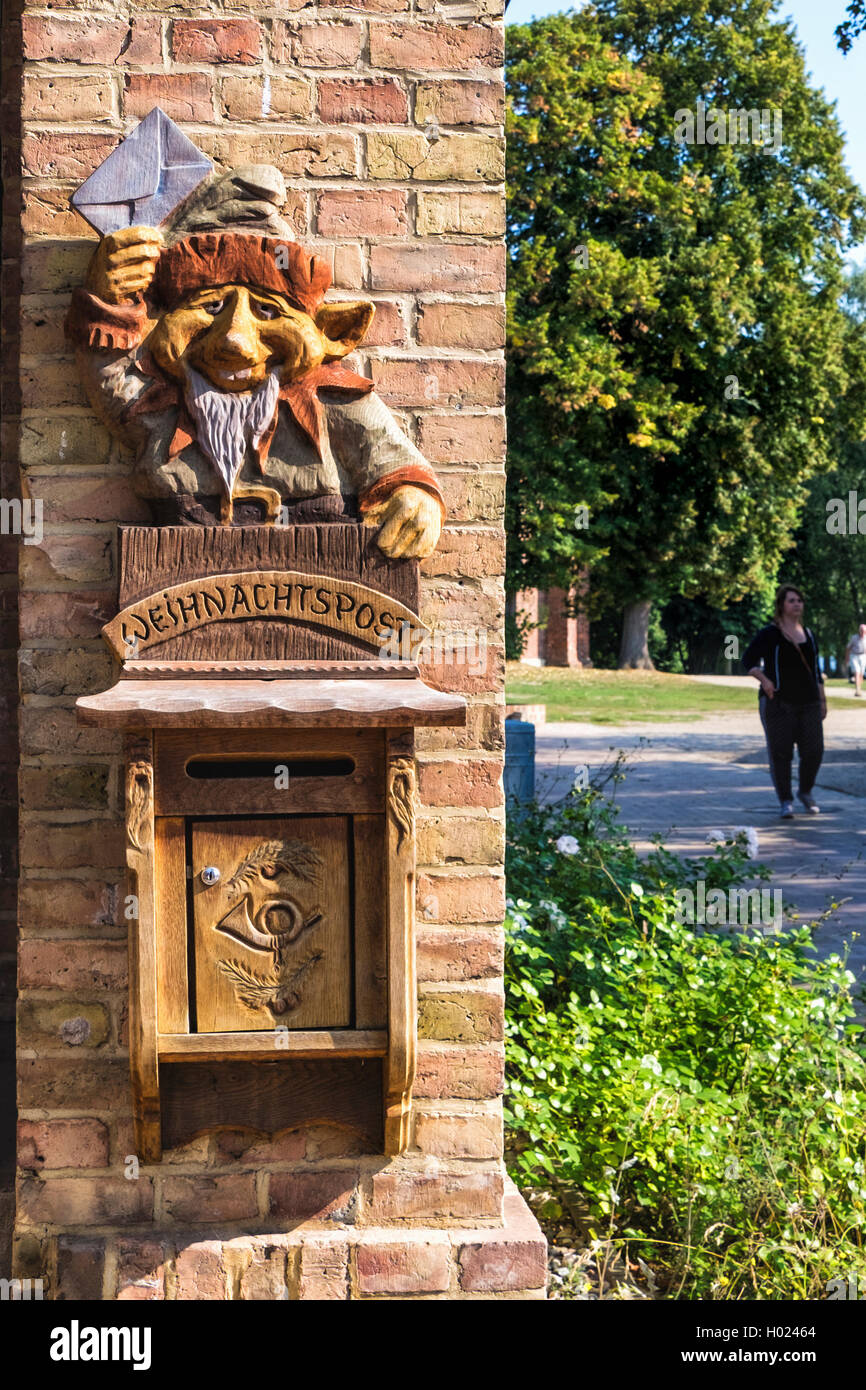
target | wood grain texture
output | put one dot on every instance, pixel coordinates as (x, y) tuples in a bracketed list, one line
[(152, 558), (172, 984), (143, 959), (273, 936), (362, 789), (371, 971), (402, 979), (267, 1097), (312, 1043), (269, 670), (173, 615), (270, 704)]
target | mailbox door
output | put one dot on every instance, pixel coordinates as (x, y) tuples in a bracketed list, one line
[(271, 926)]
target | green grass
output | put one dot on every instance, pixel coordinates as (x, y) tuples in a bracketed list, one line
[(624, 697)]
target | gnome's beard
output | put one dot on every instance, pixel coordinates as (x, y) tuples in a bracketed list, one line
[(227, 421)]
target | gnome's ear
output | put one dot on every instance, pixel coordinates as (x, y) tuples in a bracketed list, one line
[(344, 325)]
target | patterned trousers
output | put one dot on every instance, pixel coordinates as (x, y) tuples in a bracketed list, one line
[(786, 725)]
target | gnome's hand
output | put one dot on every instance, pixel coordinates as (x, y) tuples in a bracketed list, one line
[(410, 521), (124, 263)]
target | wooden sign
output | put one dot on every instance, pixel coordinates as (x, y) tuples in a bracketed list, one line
[(349, 609)]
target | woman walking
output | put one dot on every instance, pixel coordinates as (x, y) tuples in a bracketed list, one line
[(783, 658)]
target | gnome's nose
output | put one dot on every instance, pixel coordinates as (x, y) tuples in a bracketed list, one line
[(240, 341)]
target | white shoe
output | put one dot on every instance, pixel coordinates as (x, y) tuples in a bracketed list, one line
[(811, 806)]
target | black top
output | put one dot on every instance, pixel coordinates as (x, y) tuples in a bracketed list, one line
[(793, 668)]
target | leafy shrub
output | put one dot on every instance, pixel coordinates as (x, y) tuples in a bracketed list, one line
[(703, 1093)]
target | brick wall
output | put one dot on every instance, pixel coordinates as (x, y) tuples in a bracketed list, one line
[(385, 117)]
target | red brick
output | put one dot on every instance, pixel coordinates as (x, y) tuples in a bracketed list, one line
[(264, 1279), (78, 614), (324, 1195), (84, 97), (473, 496), (49, 386), (462, 438), (55, 268), (83, 497), (237, 1146), (55, 729), (73, 965), (42, 329), (377, 100), (439, 266), (472, 553), (324, 1270), (317, 45), (461, 782), (46, 213), (424, 1196), (92, 40), (247, 99), (80, 785), (310, 153), (73, 672), (216, 41), (429, 47), (388, 328), (192, 1199), (362, 213), (80, 1270), (444, 954), (62, 1144), (460, 103), (64, 155), (200, 1272), (459, 1136), (85, 1201), (459, 1073), (470, 1014), (81, 1083), (140, 1271), (70, 902), (405, 1266), (506, 1262), (461, 325), (184, 96), (439, 381), (460, 898)]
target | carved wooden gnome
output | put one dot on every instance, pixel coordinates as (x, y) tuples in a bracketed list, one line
[(207, 346)]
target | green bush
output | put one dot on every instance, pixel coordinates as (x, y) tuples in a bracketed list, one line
[(703, 1092)]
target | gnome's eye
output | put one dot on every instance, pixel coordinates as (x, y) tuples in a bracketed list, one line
[(266, 311), (213, 307)]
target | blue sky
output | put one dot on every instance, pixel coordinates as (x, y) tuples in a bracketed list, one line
[(843, 79)]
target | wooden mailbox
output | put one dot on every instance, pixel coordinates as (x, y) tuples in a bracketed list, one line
[(270, 827)]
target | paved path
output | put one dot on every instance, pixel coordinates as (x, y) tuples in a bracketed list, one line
[(686, 779)]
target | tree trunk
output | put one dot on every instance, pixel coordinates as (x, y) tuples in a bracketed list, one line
[(634, 651)]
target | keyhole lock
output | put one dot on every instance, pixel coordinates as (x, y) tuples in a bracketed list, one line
[(209, 876)]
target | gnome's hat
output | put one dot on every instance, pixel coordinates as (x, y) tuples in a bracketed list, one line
[(239, 258)]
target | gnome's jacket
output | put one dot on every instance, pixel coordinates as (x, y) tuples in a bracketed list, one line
[(332, 437)]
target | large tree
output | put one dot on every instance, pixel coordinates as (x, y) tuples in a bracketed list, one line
[(828, 558), (675, 340)]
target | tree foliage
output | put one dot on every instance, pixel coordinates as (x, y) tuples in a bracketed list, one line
[(675, 341), (852, 26)]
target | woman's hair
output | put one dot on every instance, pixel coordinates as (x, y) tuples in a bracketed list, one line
[(781, 594)]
